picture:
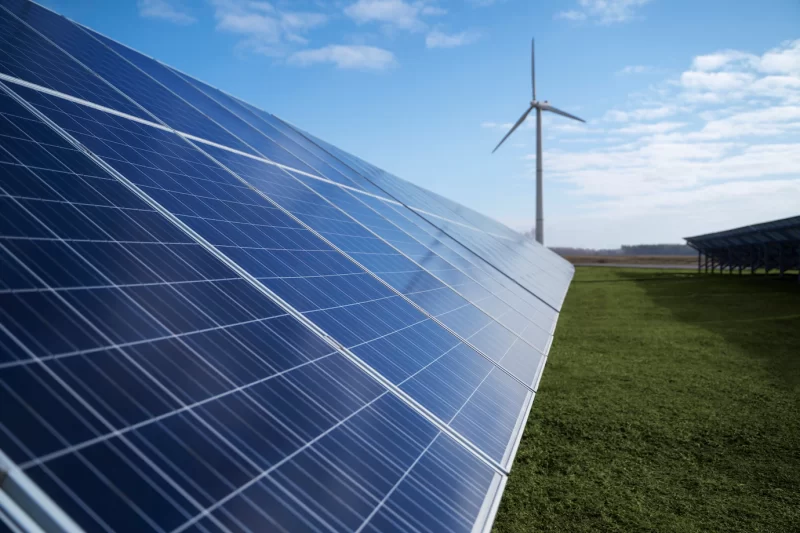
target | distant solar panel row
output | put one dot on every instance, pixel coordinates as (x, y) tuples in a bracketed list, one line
[(213, 321)]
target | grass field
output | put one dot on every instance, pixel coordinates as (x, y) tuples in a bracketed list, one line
[(670, 402)]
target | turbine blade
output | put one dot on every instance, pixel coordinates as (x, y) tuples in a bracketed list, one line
[(548, 107), (533, 68), (520, 121)]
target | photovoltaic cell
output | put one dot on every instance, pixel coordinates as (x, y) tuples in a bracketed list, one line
[(213, 321)]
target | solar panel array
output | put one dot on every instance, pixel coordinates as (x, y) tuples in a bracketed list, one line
[(773, 245), (211, 320)]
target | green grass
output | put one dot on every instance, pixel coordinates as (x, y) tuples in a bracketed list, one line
[(670, 402)]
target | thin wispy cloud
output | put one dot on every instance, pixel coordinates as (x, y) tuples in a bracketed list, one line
[(641, 114), (357, 57), (393, 14), (658, 127), (602, 11), (170, 11), (263, 28), (637, 69), (438, 39)]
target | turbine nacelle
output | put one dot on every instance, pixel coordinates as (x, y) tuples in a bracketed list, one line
[(535, 104)]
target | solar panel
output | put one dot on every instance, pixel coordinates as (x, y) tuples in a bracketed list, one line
[(211, 321)]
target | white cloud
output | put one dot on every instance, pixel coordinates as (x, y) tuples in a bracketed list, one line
[(438, 39), (715, 81), (603, 11), (346, 57), (484, 3), (572, 14), (782, 60), (721, 59), (393, 13), (165, 10), (497, 125), (645, 113), (265, 29), (670, 216), (732, 75), (658, 127), (636, 69)]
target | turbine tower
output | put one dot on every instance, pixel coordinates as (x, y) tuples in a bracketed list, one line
[(539, 107)]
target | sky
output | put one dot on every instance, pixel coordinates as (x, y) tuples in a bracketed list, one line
[(692, 106)]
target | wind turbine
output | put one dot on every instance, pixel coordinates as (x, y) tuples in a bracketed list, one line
[(539, 107)]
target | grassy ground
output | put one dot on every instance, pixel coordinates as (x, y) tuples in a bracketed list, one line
[(688, 260), (670, 402)]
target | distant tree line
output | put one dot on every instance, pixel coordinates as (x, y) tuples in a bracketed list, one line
[(625, 249), (633, 249)]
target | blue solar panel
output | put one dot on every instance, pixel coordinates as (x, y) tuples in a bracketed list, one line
[(348, 303), (153, 388), (211, 321)]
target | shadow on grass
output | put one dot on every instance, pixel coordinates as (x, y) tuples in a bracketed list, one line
[(673, 276), (760, 314)]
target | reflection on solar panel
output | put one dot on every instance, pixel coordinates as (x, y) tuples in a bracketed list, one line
[(213, 321)]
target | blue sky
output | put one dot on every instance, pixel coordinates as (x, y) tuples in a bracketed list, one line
[(693, 106)]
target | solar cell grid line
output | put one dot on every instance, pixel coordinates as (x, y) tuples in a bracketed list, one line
[(64, 38), (42, 18), (359, 243), (479, 246), (39, 468), (341, 320)]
